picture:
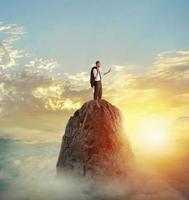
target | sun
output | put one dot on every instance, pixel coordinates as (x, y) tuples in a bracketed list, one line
[(154, 137), (151, 135)]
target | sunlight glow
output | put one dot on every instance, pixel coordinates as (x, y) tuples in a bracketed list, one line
[(151, 136), (154, 137)]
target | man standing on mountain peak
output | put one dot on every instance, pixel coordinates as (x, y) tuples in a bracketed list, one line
[(96, 79)]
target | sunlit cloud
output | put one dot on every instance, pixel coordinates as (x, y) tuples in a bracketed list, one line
[(53, 90), (61, 104), (53, 97), (79, 81), (172, 65), (35, 89), (40, 64), (163, 88)]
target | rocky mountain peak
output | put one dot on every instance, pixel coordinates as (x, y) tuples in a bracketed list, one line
[(94, 143)]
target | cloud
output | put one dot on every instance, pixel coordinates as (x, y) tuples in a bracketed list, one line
[(79, 81), (9, 56), (30, 136), (53, 90), (41, 64), (25, 92), (40, 87), (163, 87), (33, 87), (53, 97), (11, 29), (61, 104), (32, 175), (172, 65), (36, 87)]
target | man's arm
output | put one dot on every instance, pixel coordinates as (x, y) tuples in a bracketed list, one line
[(105, 73)]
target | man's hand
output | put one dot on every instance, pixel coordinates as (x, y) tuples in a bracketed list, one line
[(108, 71)]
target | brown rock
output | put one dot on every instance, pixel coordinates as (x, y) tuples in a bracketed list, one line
[(94, 143)]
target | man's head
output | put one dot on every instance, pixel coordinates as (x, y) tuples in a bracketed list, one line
[(97, 63)]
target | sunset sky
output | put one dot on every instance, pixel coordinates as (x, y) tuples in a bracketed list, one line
[(47, 49)]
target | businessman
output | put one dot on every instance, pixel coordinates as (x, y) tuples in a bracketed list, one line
[(96, 79)]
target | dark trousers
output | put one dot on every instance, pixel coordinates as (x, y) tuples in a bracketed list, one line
[(97, 90)]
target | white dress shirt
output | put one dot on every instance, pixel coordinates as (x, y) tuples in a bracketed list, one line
[(98, 77)]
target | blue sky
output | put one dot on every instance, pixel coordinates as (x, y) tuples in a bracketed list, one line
[(122, 32)]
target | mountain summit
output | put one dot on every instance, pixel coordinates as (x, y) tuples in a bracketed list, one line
[(94, 143)]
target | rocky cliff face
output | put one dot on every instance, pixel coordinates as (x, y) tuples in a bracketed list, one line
[(94, 143)]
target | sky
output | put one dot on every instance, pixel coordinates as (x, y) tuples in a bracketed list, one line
[(76, 33), (47, 49)]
